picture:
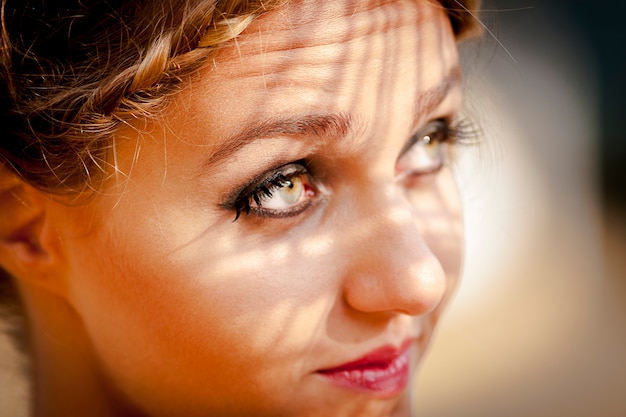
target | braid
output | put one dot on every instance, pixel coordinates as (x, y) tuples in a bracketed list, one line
[(62, 101)]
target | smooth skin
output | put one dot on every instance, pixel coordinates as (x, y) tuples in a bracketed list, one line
[(148, 299)]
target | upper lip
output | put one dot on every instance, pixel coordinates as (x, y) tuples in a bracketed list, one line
[(381, 357)]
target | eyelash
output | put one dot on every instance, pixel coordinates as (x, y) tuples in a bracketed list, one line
[(429, 149), (461, 131), (265, 188)]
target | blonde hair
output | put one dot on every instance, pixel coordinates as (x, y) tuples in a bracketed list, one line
[(72, 75)]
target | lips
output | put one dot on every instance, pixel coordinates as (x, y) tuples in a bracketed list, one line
[(382, 372)]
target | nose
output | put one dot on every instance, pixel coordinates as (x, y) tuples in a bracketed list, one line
[(390, 266)]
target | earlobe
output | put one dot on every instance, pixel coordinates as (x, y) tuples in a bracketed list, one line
[(25, 251)]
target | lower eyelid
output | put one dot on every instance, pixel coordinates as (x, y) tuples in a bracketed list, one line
[(408, 172), (418, 180), (260, 212)]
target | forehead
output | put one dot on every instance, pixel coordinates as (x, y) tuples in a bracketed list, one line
[(320, 45), (327, 27), (385, 65)]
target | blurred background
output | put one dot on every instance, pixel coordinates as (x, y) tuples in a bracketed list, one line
[(538, 327)]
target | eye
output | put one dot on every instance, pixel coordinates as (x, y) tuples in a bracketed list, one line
[(426, 151), (284, 192)]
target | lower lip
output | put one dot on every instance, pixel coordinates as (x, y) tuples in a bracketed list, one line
[(385, 381)]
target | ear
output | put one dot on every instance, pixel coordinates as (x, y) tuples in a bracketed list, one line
[(27, 251)]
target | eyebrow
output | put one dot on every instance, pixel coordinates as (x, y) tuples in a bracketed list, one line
[(335, 125), (329, 125), (428, 101)]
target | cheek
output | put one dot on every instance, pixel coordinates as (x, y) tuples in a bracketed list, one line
[(160, 320), (440, 221)]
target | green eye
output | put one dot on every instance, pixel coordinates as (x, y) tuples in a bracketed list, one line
[(282, 193), (290, 193), (283, 196), (426, 151)]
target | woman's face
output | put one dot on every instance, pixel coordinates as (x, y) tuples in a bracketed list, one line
[(281, 241)]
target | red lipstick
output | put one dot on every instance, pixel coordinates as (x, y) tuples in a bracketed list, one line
[(383, 372)]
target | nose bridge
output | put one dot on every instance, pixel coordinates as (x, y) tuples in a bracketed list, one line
[(391, 267)]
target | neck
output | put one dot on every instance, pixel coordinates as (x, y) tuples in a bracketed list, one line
[(67, 379)]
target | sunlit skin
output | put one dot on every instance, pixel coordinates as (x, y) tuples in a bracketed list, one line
[(183, 311)]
